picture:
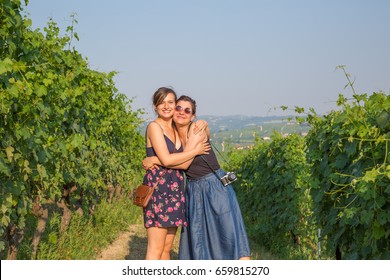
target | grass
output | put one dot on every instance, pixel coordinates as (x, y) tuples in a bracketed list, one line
[(86, 235), (258, 252)]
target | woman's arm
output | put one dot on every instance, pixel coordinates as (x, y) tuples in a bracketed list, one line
[(195, 138), (200, 126), (155, 135)]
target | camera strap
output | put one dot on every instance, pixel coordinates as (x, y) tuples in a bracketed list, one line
[(215, 148), (204, 159)]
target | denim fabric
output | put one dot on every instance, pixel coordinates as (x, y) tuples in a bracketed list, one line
[(215, 230)]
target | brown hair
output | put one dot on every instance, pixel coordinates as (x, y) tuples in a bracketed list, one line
[(188, 99), (161, 93)]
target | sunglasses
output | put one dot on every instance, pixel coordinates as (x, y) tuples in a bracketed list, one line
[(186, 110)]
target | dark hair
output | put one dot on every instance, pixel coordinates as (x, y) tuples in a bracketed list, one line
[(161, 93), (189, 99)]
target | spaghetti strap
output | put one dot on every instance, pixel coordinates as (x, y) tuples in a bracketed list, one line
[(166, 136)]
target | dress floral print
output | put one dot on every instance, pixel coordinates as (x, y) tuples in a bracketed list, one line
[(167, 205)]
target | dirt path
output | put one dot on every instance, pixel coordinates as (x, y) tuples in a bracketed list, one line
[(131, 245)]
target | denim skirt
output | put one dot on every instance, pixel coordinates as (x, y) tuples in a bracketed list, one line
[(215, 230)]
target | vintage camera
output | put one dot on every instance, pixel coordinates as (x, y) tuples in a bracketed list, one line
[(229, 178)]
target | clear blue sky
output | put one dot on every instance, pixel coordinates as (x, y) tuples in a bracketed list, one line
[(233, 57)]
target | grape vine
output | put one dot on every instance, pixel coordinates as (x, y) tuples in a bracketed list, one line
[(67, 134), (349, 155), (337, 180)]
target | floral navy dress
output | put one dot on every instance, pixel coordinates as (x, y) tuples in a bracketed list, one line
[(166, 208)]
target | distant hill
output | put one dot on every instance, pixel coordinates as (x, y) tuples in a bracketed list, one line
[(240, 131), (234, 122)]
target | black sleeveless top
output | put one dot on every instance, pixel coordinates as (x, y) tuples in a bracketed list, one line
[(199, 167), (171, 148)]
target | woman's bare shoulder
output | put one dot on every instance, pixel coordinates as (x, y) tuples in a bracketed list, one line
[(154, 125)]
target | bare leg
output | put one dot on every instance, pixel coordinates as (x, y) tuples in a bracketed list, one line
[(245, 258), (156, 242), (168, 243)]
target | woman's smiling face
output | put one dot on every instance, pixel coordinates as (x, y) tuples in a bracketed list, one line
[(167, 107)]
